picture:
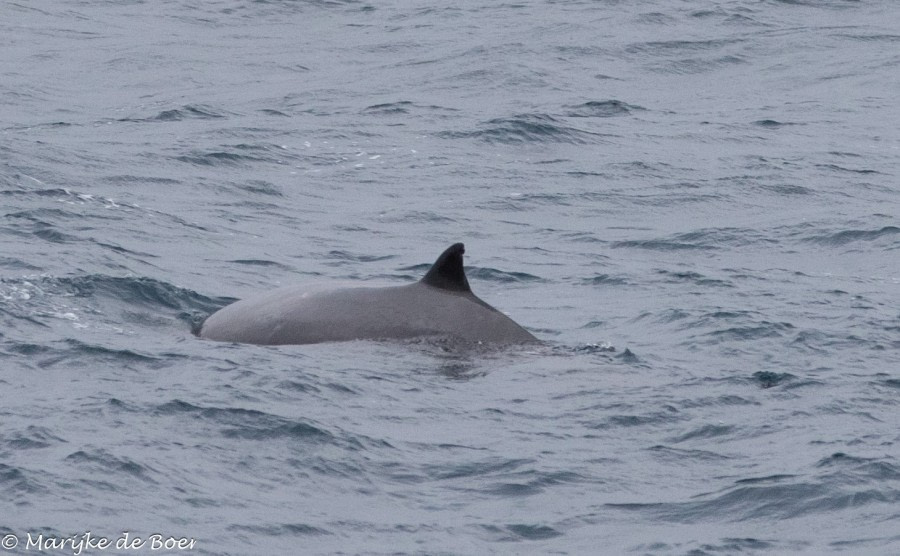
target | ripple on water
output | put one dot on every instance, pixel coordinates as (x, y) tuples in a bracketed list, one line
[(281, 530), (520, 532), (602, 109), (17, 484), (248, 424), (527, 128), (103, 462), (846, 237)]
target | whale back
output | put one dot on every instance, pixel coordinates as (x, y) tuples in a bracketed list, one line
[(440, 305)]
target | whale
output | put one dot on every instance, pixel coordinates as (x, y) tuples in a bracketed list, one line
[(440, 306)]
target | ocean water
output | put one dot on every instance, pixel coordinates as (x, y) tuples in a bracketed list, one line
[(695, 204)]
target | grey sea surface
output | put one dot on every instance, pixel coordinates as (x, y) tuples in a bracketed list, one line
[(695, 204)]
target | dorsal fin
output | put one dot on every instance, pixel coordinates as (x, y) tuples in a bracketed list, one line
[(447, 272)]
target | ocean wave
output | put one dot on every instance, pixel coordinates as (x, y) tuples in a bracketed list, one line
[(527, 128), (697, 279), (521, 532), (142, 291), (102, 461), (763, 329), (188, 111), (32, 437), (680, 46), (96, 302), (221, 158), (405, 107), (771, 124), (602, 109), (605, 280), (249, 424), (845, 237), (281, 529), (766, 498), (16, 483), (660, 245), (504, 277)]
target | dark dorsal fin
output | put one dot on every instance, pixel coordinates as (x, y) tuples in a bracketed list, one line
[(447, 271)]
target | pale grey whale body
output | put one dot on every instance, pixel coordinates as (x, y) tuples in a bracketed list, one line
[(440, 305)]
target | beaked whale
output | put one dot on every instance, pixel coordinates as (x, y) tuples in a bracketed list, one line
[(440, 305)]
